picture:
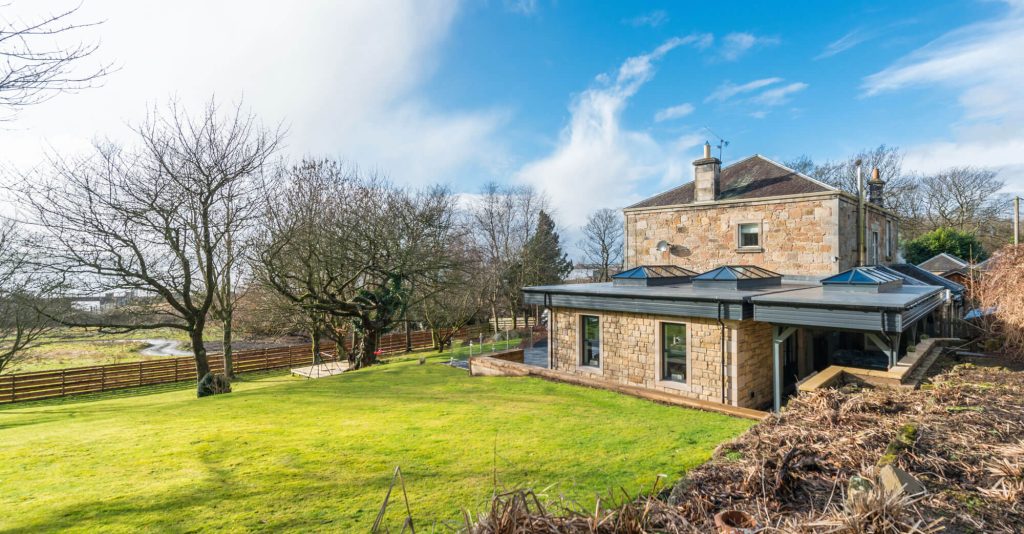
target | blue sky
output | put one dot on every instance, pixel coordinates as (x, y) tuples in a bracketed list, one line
[(597, 103)]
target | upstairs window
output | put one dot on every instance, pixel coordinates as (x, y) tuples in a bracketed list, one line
[(590, 340), (749, 235)]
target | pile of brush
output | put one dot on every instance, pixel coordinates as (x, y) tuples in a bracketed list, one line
[(961, 436)]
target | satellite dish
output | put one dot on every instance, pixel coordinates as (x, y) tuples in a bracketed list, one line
[(663, 246)]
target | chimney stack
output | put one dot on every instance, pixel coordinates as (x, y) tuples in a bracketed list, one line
[(707, 172), (875, 188)]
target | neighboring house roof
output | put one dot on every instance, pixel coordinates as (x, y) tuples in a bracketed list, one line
[(924, 275), (753, 177), (942, 262)]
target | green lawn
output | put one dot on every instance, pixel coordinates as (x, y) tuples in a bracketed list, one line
[(282, 453)]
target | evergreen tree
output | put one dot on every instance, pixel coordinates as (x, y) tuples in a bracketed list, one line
[(949, 240), (548, 264)]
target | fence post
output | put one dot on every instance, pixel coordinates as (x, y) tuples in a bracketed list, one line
[(13, 386), (266, 360), (176, 360), (103, 378), (140, 373), (63, 377)]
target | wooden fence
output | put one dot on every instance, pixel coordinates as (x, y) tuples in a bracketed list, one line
[(79, 380), (420, 339)]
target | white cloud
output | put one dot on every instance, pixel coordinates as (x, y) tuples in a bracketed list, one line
[(736, 44), (982, 63), (844, 43), (341, 85), (674, 112), (778, 95), (728, 89), (597, 163), (653, 19)]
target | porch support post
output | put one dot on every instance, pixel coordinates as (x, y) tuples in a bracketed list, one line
[(886, 348), (779, 336)]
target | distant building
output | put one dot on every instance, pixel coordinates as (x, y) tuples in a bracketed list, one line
[(943, 263), (588, 272)]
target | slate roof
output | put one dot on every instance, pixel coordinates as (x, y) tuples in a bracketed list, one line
[(927, 277), (942, 262), (753, 177)]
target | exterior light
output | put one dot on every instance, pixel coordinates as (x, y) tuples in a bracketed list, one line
[(663, 246)]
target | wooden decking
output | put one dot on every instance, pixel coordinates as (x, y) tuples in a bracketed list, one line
[(322, 370)]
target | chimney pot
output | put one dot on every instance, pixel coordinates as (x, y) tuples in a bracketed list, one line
[(875, 188), (707, 149)]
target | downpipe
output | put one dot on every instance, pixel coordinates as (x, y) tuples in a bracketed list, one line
[(721, 327)]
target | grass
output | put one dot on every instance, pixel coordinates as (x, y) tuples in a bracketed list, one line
[(287, 454)]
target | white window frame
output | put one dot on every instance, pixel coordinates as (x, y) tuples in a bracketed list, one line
[(760, 236), (600, 342)]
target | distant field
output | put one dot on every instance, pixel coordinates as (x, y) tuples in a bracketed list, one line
[(75, 347)]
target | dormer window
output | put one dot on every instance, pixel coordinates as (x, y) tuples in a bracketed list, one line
[(749, 236)]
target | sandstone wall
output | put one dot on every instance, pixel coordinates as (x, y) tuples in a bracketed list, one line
[(798, 236), (812, 236), (630, 354)]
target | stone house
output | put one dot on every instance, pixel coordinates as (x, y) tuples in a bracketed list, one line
[(742, 283)]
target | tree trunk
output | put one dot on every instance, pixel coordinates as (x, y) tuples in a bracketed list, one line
[(408, 337), (435, 337), (199, 351), (494, 316), (229, 363), (515, 318), (314, 336)]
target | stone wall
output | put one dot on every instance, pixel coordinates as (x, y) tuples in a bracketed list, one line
[(848, 255), (630, 354), (813, 235), (798, 236), (754, 376)]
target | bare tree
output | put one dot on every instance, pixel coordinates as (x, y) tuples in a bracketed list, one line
[(23, 313), (148, 219), (503, 221), (458, 296), (965, 198), (902, 191), (236, 215), (34, 66), (353, 248), (602, 242)]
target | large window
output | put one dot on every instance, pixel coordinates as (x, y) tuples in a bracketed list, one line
[(590, 342), (673, 352), (749, 235)]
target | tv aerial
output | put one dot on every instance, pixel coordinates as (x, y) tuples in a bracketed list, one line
[(722, 143)]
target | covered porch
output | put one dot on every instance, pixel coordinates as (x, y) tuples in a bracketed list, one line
[(861, 319)]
